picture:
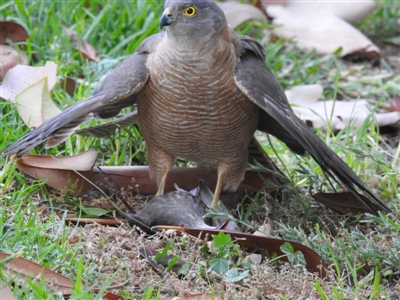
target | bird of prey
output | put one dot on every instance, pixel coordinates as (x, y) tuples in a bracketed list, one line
[(201, 92)]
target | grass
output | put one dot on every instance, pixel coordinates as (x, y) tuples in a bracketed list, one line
[(362, 252)]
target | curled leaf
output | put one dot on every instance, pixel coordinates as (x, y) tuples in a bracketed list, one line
[(236, 13), (319, 29), (336, 114), (12, 31), (61, 172), (69, 85), (20, 77), (82, 45), (9, 58), (23, 269), (34, 104)]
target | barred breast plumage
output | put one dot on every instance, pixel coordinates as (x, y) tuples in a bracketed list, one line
[(191, 108)]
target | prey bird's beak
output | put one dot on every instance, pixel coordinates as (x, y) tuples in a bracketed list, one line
[(166, 18)]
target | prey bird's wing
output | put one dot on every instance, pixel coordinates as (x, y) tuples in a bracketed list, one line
[(257, 82), (115, 92)]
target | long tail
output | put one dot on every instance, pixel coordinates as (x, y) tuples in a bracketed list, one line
[(58, 128), (330, 163)]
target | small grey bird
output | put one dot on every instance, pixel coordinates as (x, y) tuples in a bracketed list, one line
[(180, 208)]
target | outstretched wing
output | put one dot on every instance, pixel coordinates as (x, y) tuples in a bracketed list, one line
[(257, 82), (115, 92)]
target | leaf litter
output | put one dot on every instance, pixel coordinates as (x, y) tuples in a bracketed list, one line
[(121, 253), (11, 55)]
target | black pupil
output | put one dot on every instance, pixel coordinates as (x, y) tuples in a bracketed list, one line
[(190, 11)]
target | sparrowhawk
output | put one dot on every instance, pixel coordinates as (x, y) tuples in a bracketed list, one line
[(201, 92)]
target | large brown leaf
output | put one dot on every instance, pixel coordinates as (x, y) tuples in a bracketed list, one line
[(62, 172), (186, 178), (82, 45), (344, 203), (12, 31), (22, 269)]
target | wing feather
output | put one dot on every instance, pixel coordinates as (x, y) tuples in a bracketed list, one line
[(117, 91), (257, 82)]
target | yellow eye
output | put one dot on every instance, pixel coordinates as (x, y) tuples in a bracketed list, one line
[(190, 11)]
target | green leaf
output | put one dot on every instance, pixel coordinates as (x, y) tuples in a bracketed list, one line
[(287, 248), (219, 265), (223, 252), (394, 40), (201, 271), (295, 258), (234, 275), (171, 263), (184, 270), (93, 211), (164, 251), (222, 240)]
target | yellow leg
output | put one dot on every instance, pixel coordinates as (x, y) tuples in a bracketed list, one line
[(161, 187), (218, 188)]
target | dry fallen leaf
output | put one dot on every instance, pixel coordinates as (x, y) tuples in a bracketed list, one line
[(69, 85), (9, 58), (74, 219), (22, 269), (338, 114), (62, 172), (344, 203), (395, 104), (34, 104), (5, 292), (261, 4), (350, 11), (20, 77), (319, 27), (137, 178), (12, 31), (236, 13), (82, 45)]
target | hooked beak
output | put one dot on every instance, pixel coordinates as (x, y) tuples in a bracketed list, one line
[(166, 18)]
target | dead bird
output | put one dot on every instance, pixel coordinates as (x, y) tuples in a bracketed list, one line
[(180, 208)]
